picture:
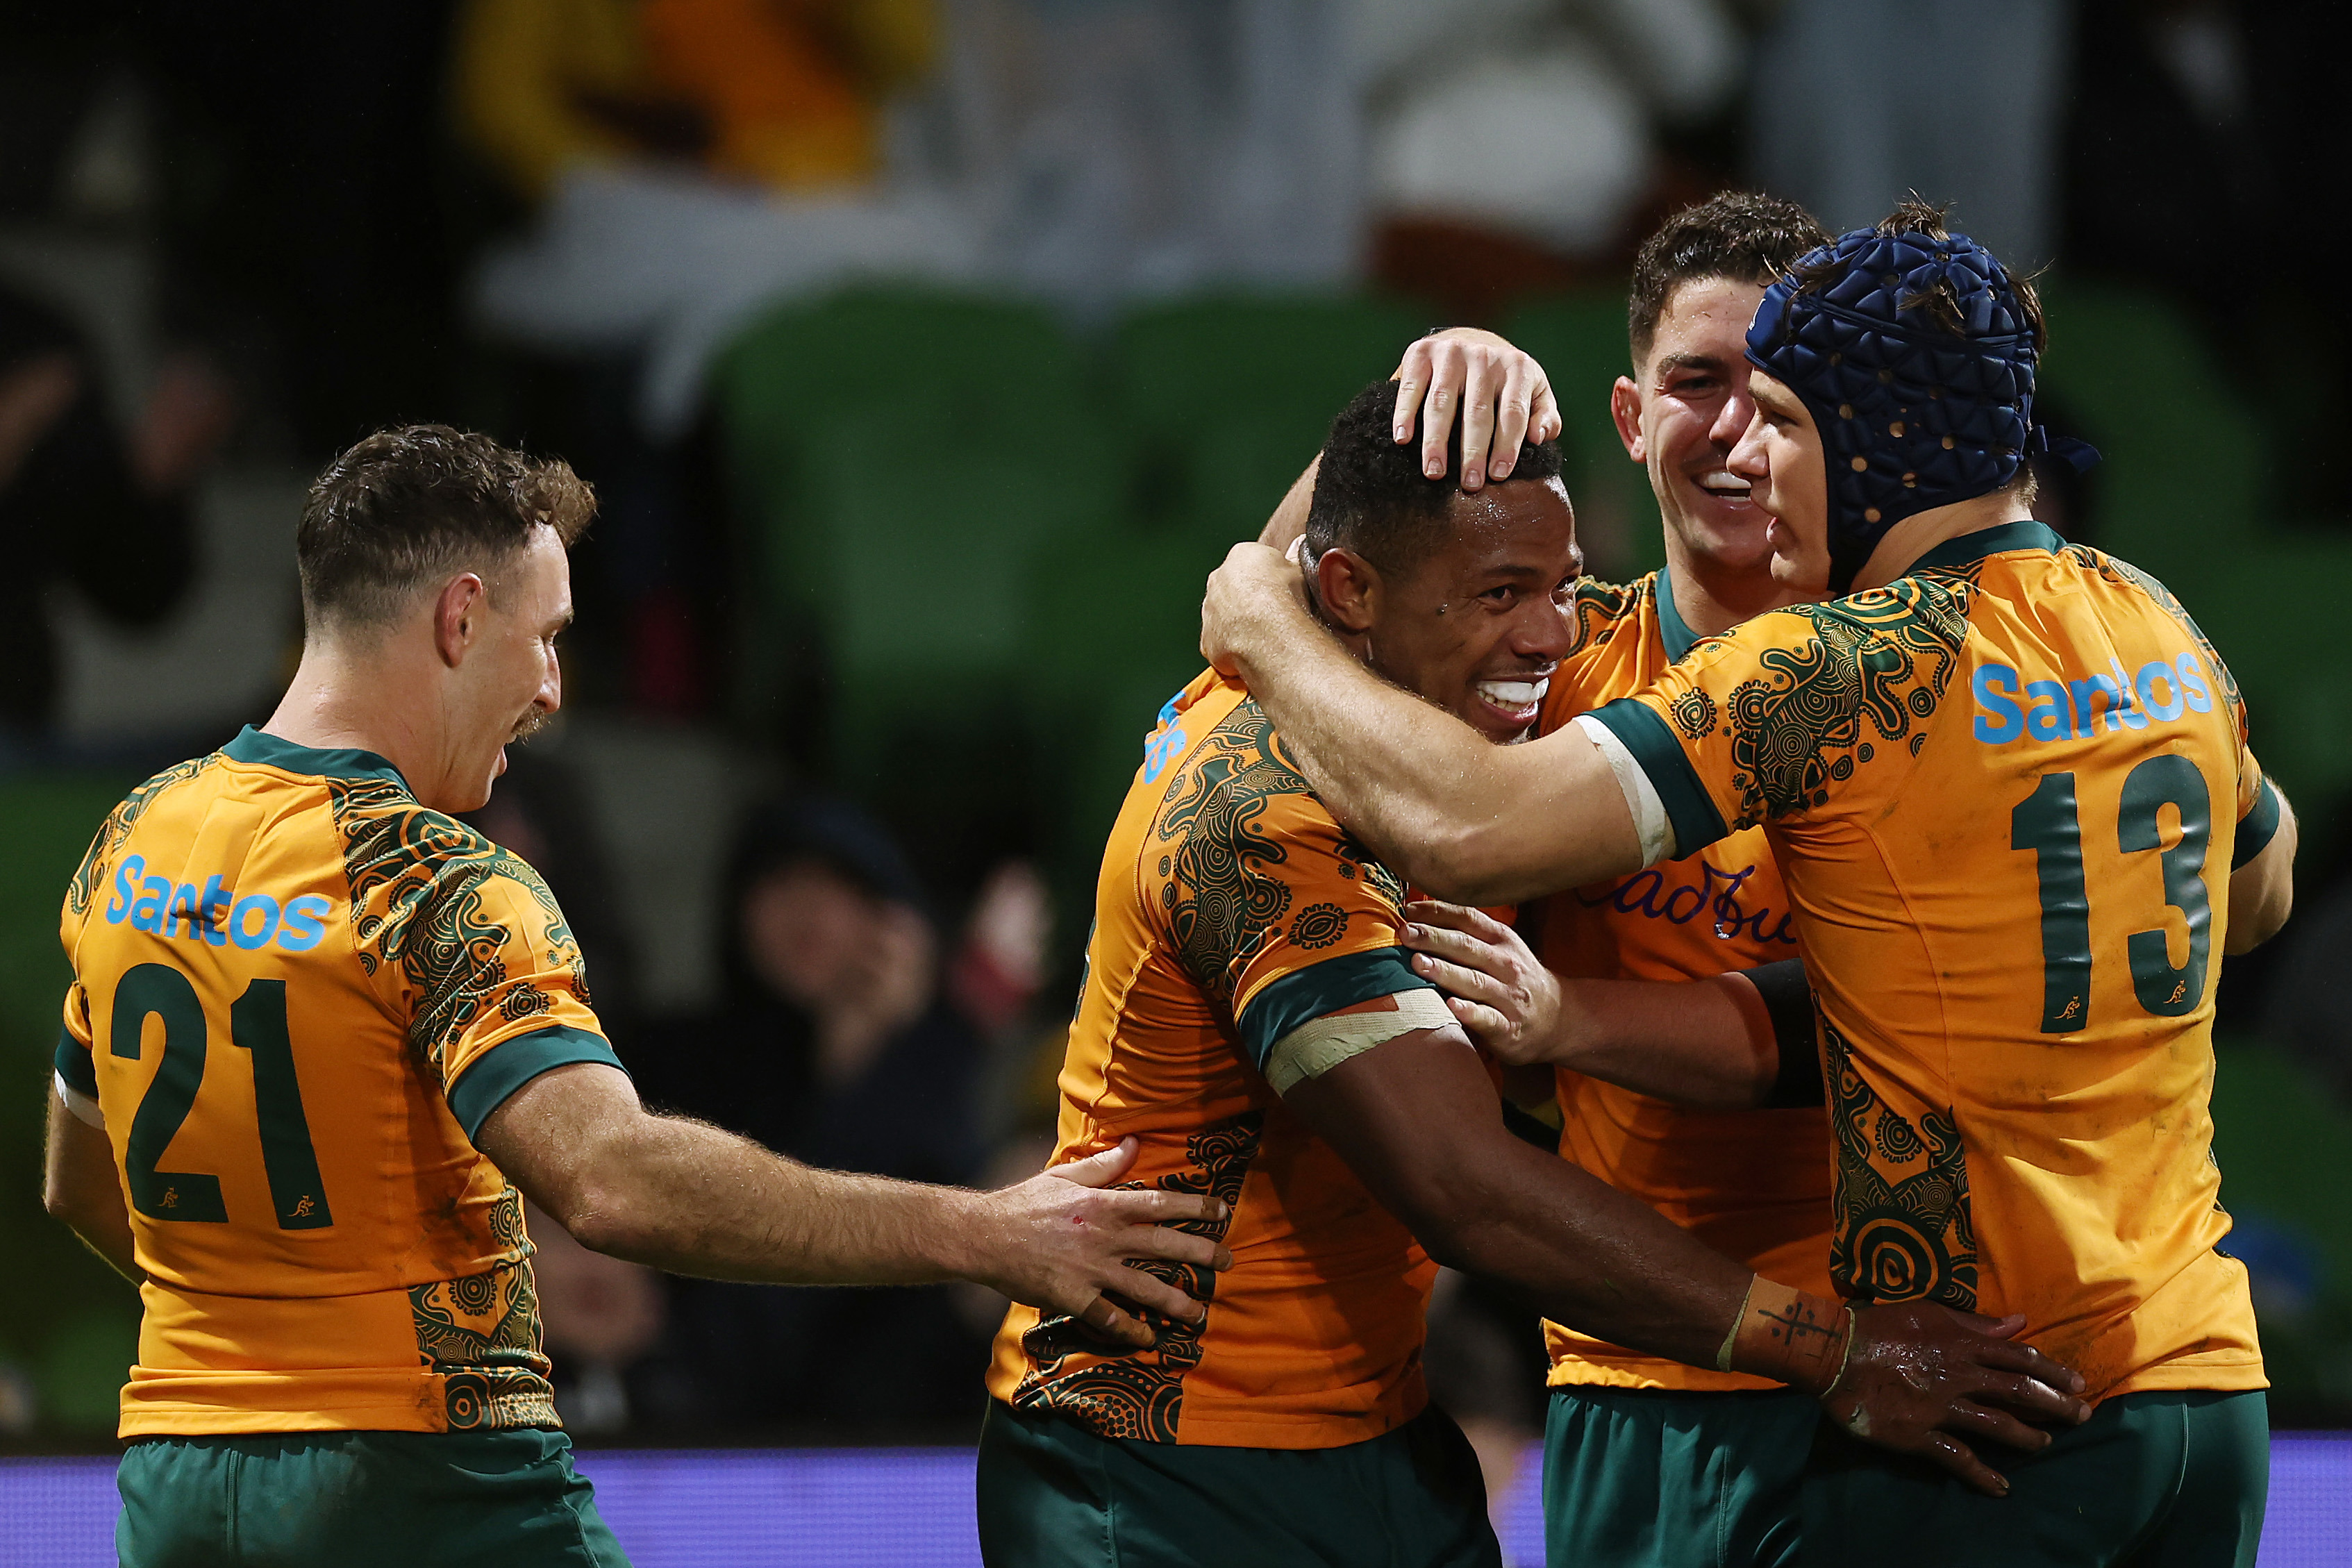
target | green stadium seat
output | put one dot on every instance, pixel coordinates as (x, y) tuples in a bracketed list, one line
[(2180, 492), (1580, 340), (935, 367), (1227, 396), (68, 1315), (944, 361), (1114, 632)]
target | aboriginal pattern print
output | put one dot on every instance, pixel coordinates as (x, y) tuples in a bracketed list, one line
[(116, 828), (1878, 663), (481, 1334), (2117, 571), (1598, 609), (1356, 864), (1140, 1394), (1902, 1226), (1222, 898), (417, 879)]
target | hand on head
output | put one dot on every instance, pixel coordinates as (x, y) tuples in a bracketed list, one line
[(1499, 392)]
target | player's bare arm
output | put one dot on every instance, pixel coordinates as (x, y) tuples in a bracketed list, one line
[(688, 1197), (1708, 1044), (1417, 1119), (80, 1185), (1507, 396), (1471, 822), (2261, 891)]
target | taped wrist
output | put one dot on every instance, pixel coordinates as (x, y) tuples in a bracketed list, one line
[(1787, 1335)]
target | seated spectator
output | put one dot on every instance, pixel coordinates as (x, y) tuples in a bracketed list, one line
[(81, 502), (835, 1045)]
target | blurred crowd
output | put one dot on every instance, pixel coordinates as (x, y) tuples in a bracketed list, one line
[(549, 218)]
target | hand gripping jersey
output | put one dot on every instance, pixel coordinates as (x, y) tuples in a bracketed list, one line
[(297, 992), (1753, 1184), (2006, 791), (1242, 941)]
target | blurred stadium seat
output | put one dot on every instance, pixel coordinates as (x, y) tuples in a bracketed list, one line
[(1580, 340), (68, 1319), (1226, 396), (932, 370), (2182, 492)]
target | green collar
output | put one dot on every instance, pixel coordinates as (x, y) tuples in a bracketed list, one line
[(1672, 630), (252, 745), (1973, 547)]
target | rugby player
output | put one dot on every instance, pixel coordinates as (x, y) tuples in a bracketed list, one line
[(322, 1040), (1250, 1014), (2007, 784), (1647, 1460)]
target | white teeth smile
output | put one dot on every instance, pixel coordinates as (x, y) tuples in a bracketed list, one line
[(1721, 482), (1514, 696)]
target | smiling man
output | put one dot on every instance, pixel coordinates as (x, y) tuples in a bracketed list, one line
[(1647, 1460), (1249, 1013), (323, 1038), (2007, 782)]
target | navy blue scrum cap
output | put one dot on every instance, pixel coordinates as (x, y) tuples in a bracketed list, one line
[(1912, 413)]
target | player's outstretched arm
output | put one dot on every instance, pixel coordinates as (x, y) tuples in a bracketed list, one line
[(2261, 891), (81, 1186), (1417, 1119), (685, 1197), (1713, 1044), (1508, 397), (1470, 821)]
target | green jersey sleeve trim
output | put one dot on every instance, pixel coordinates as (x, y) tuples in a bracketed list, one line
[(74, 1064), (1693, 816), (2258, 827), (506, 1066), (1304, 996)]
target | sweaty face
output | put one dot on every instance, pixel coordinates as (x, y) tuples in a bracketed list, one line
[(1780, 456), (512, 681), (1478, 626), (1689, 410)]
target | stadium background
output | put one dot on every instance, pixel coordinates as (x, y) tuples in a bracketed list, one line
[(926, 354)]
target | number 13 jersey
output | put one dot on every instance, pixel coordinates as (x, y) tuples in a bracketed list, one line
[(297, 994), (2005, 793)]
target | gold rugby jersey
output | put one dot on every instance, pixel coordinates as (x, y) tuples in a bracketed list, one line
[(1753, 1184), (2005, 791), (297, 994), (1242, 941)]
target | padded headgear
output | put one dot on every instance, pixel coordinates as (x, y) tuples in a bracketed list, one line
[(1912, 416)]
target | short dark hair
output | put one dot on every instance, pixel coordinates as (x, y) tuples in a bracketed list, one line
[(409, 505), (1744, 237), (1371, 495)]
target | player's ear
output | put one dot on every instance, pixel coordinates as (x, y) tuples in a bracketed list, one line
[(457, 616), (1348, 588), (1625, 409)]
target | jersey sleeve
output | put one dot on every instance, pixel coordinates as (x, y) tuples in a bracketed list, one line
[(1771, 721), (1308, 946), (500, 993), (75, 1069), (2258, 810)]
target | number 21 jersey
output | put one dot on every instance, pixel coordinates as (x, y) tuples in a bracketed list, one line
[(297, 994)]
